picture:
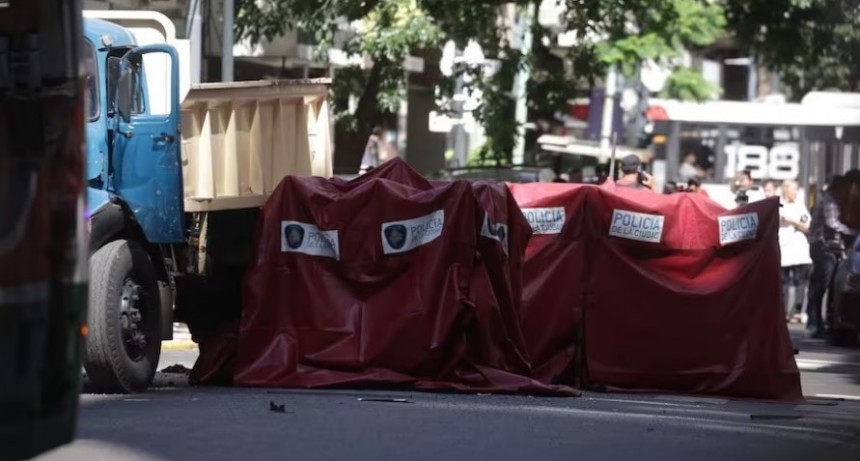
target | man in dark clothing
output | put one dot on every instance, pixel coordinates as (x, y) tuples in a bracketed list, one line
[(827, 229), (632, 174)]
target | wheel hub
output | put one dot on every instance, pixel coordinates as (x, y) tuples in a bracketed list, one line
[(131, 319)]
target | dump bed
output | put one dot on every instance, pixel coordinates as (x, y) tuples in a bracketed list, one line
[(240, 139)]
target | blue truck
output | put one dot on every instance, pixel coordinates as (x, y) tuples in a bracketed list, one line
[(173, 196)]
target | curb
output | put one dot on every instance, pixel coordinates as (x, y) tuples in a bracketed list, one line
[(179, 345)]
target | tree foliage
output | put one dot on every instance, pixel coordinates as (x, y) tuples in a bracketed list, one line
[(627, 33), (813, 44), (610, 32)]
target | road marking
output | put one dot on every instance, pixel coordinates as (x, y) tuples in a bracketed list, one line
[(812, 364), (854, 398)]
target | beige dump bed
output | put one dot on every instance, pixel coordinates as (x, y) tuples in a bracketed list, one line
[(240, 139)]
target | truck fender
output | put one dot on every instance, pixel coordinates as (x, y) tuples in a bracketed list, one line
[(106, 224)]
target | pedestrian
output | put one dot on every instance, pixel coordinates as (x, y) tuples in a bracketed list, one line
[(769, 189), (827, 233), (794, 220), (575, 176), (695, 186), (670, 188), (689, 169), (557, 164), (372, 151), (632, 174), (744, 188)]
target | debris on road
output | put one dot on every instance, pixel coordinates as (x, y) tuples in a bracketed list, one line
[(177, 369), (275, 408)]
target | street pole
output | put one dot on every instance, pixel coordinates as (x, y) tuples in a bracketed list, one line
[(521, 88), (403, 118), (194, 32), (608, 114), (227, 44), (458, 131)]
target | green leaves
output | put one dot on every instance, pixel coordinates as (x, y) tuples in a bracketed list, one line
[(813, 44), (609, 32), (688, 85), (636, 30)]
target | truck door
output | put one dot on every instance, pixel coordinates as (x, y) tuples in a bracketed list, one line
[(147, 167)]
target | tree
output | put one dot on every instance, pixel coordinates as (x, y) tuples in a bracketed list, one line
[(387, 31), (627, 33), (622, 33), (612, 32), (813, 44)]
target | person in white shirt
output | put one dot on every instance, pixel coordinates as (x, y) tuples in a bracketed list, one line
[(688, 169), (794, 247)]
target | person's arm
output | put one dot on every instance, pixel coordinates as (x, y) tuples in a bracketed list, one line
[(648, 181), (801, 224), (831, 219)]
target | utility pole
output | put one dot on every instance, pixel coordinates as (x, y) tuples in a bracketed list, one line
[(606, 124), (227, 44), (194, 32), (520, 85)]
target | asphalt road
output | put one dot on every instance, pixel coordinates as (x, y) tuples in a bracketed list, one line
[(174, 422)]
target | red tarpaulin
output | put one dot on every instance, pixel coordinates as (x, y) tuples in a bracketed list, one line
[(368, 283), (554, 275), (497, 287), (685, 297)]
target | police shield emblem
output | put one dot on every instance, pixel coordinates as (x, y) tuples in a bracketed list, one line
[(501, 233), (395, 235), (493, 228), (294, 235)]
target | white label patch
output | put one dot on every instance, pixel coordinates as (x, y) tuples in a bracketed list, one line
[(636, 226), (495, 231), (545, 220), (297, 237), (403, 236), (738, 228)]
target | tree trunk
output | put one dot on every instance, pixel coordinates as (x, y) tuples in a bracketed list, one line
[(349, 145)]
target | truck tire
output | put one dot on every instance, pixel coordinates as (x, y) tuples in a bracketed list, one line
[(124, 341)]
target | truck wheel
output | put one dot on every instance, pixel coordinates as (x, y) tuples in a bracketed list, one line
[(124, 342)]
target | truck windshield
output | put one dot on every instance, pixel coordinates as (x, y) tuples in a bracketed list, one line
[(91, 72)]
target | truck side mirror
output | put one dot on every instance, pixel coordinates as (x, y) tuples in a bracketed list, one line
[(125, 92)]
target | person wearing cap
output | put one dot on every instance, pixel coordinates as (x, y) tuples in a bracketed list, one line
[(632, 174)]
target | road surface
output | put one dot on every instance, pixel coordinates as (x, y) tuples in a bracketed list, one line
[(175, 423)]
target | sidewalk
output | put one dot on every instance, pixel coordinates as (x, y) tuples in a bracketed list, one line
[(826, 371), (181, 339)]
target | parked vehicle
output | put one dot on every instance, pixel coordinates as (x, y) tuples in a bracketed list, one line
[(43, 272), (173, 212), (844, 313), (518, 174)]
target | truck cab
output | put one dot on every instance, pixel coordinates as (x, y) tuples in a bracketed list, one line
[(123, 134), (171, 211), (134, 194)]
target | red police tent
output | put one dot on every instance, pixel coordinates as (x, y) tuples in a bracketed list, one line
[(366, 283), (554, 276), (685, 297), (496, 287), (496, 284)]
